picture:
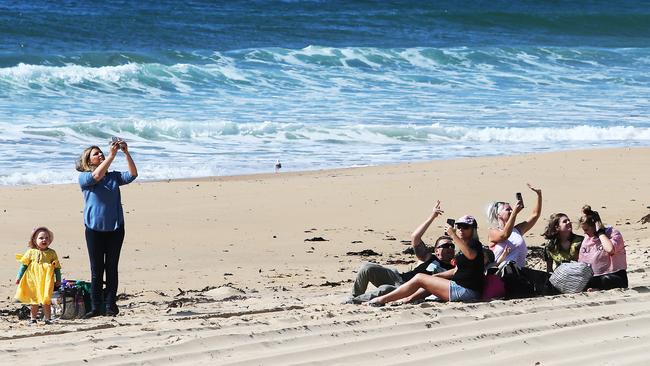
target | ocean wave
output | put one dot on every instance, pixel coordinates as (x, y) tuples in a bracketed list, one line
[(155, 131), (123, 79), (148, 171), (317, 67), (439, 133), (19, 178), (176, 149)]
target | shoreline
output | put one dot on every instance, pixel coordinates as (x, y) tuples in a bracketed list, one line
[(388, 165), (258, 175)]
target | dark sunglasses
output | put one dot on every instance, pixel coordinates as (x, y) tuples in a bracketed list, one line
[(463, 226), (445, 246)]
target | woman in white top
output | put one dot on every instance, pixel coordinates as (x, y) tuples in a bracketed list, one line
[(505, 238)]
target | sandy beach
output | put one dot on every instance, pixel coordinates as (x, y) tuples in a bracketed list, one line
[(224, 270)]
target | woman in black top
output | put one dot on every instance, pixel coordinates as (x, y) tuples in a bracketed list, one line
[(462, 283)]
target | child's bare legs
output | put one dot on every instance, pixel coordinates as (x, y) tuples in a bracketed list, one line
[(47, 311), (34, 312), (434, 285)]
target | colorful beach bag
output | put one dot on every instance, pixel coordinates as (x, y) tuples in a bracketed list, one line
[(72, 299), (571, 277)]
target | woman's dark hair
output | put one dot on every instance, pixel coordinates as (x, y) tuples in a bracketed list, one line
[(589, 217), (551, 228)]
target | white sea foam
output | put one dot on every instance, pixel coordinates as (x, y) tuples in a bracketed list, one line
[(153, 131), (71, 74), (38, 177)]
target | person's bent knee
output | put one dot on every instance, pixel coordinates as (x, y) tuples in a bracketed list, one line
[(421, 277), (367, 267)]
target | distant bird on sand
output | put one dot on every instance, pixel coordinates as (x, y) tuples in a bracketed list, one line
[(277, 165)]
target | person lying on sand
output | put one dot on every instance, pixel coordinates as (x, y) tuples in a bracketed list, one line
[(462, 283), (388, 279)]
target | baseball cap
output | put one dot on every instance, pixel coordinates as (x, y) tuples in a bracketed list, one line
[(467, 220)]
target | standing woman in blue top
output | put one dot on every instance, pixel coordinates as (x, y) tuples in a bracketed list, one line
[(104, 220)]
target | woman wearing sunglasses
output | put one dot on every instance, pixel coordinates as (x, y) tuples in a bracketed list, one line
[(462, 283)]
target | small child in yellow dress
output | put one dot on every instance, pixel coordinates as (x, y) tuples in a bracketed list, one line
[(39, 274)]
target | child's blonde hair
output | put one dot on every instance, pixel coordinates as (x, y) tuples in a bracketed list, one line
[(83, 163), (38, 229)]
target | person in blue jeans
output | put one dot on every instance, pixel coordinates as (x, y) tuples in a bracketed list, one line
[(104, 220)]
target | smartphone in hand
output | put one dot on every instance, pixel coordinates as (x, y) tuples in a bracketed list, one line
[(451, 222), (118, 141), (519, 198)]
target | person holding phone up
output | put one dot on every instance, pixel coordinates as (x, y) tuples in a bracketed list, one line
[(461, 283), (104, 220), (505, 238), (388, 279)]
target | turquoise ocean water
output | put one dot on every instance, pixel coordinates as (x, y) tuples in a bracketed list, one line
[(201, 89)]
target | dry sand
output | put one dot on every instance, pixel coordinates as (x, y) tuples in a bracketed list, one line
[(218, 270)]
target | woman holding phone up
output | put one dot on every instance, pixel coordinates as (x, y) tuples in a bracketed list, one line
[(104, 220), (507, 238), (461, 283)]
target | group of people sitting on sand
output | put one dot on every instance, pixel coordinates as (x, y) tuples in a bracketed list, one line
[(455, 268)]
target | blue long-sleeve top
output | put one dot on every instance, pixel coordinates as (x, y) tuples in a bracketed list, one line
[(103, 201)]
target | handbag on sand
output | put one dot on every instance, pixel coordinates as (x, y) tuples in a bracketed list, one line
[(571, 277), (493, 288)]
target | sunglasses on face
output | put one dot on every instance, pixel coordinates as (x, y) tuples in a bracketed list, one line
[(463, 226), (445, 246)]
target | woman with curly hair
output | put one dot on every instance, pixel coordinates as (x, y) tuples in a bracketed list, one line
[(562, 245)]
